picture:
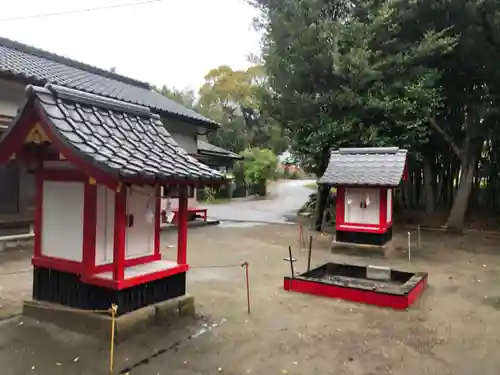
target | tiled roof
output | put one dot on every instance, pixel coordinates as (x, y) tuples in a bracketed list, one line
[(41, 67), (208, 148), (383, 166), (119, 138)]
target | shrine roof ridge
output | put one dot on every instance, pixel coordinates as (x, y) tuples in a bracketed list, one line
[(368, 150), (365, 166), (108, 139), (98, 101)]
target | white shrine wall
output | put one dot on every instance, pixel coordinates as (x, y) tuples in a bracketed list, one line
[(62, 220), (105, 225), (389, 206), (140, 236), (354, 214)]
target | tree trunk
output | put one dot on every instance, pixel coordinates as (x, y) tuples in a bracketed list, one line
[(323, 191), (428, 189), (456, 218)]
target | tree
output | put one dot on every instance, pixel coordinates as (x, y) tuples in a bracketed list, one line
[(340, 76), (187, 98), (258, 166), (235, 99), (470, 83)]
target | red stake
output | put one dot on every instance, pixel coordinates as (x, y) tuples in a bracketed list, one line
[(300, 236), (248, 285)]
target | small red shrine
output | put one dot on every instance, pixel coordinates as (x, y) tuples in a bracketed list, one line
[(365, 179), (100, 167)]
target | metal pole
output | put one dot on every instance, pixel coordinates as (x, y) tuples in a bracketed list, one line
[(409, 247), (291, 265), (248, 286), (309, 255)]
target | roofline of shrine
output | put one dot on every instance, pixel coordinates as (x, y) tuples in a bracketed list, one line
[(14, 138)]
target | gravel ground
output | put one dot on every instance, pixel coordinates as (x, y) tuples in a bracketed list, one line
[(453, 329)]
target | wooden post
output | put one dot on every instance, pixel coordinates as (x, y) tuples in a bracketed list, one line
[(114, 309), (419, 239), (291, 265), (182, 219), (38, 212), (248, 286), (157, 219), (120, 234), (89, 227), (309, 255)]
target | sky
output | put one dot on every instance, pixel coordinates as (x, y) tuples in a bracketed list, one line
[(171, 42)]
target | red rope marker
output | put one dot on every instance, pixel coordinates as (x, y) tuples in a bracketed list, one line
[(245, 264), (301, 236)]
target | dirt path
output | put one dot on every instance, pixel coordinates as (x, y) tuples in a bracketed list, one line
[(453, 329)]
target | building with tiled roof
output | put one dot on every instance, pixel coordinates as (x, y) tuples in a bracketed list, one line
[(22, 65)]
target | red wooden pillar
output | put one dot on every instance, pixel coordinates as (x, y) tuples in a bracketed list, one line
[(340, 207), (38, 212), (157, 221), (182, 218), (119, 234), (383, 209), (89, 226)]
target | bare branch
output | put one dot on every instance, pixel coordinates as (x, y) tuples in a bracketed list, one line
[(447, 138)]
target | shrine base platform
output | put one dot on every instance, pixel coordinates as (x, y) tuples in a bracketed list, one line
[(362, 249), (99, 324), (160, 281)]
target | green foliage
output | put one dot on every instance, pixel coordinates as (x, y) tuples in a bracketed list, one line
[(209, 194), (258, 165), (235, 99), (186, 98), (342, 80)]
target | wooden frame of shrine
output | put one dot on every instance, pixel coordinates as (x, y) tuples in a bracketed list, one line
[(100, 165)]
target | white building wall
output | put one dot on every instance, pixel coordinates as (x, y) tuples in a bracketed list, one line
[(140, 237), (62, 220), (105, 225), (11, 97), (184, 134), (353, 213), (389, 205)]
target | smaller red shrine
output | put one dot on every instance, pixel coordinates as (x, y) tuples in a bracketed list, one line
[(100, 166), (365, 179)]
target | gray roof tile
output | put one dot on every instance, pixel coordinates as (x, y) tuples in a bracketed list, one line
[(383, 166), (120, 138), (208, 148), (41, 67)]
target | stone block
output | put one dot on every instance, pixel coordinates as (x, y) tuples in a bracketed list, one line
[(98, 324)]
